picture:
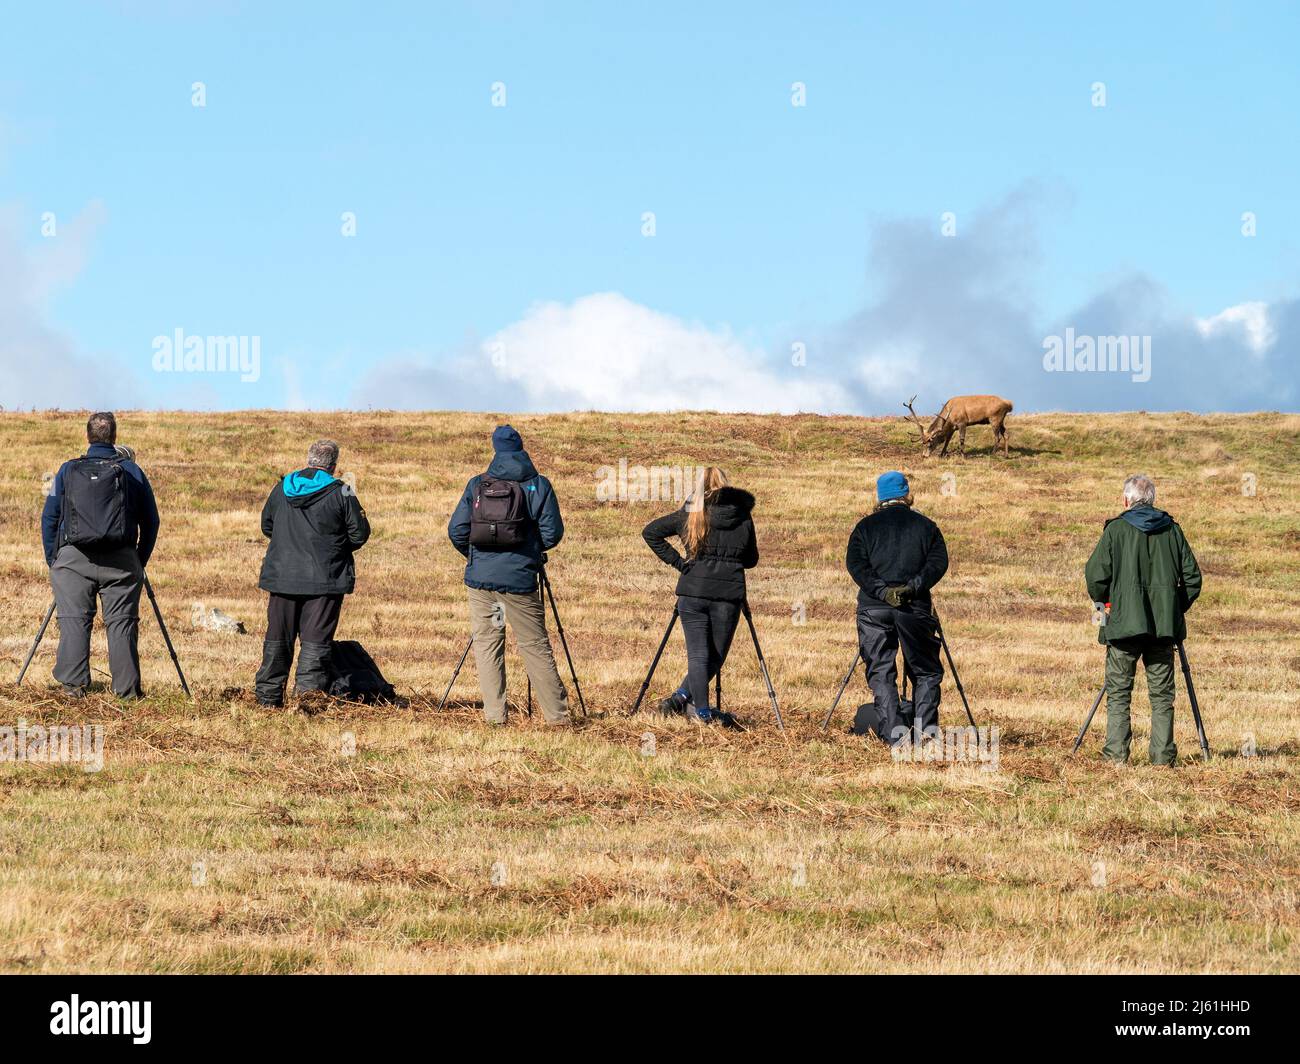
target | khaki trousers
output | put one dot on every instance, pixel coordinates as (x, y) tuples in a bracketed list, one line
[(1157, 657), (489, 613)]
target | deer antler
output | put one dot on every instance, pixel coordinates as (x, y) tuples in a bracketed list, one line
[(919, 426)]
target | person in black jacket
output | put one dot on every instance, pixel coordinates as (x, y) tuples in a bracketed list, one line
[(315, 524), (896, 556), (717, 533)]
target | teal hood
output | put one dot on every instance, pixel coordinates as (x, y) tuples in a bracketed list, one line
[(305, 482)]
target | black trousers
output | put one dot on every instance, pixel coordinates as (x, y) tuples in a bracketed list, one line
[(708, 625), (880, 632), (313, 618)]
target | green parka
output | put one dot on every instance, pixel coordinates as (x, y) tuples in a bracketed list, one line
[(1144, 568)]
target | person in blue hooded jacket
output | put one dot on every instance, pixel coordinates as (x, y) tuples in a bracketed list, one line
[(502, 583), (315, 524)]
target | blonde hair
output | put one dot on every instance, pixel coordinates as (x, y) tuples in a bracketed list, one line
[(712, 480)]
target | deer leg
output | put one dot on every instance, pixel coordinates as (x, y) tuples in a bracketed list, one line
[(961, 440)]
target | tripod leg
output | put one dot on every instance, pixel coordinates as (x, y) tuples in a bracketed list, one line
[(162, 625), (528, 709), (847, 677), (762, 665), (546, 583), (456, 673), (953, 666), (654, 664), (1087, 723), (1191, 697), (717, 689), (36, 642)]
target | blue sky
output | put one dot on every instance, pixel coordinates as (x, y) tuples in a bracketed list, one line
[(518, 229)]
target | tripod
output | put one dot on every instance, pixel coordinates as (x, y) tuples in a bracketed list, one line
[(1191, 697), (758, 650), (162, 626), (544, 586), (952, 665)]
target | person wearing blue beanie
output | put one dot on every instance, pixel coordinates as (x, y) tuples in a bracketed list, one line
[(895, 556), (891, 486)]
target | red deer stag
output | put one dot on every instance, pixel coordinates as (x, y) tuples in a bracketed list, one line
[(957, 415)]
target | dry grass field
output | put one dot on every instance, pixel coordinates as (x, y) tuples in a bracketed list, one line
[(221, 837)]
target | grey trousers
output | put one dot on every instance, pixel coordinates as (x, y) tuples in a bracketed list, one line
[(116, 578), (489, 612)]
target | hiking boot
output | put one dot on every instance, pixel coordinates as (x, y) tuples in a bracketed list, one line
[(672, 706), (701, 716), (72, 691)]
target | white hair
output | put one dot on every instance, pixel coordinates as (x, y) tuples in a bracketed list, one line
[(323, 454), (1140, 490)]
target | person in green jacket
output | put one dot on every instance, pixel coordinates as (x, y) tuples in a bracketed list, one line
[(1143, 578)]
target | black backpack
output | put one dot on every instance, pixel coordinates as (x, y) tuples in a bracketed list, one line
[(499, 519), (356, 676), (96, 507), (869, 720)]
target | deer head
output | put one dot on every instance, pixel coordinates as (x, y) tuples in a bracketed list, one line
[(930, 434)]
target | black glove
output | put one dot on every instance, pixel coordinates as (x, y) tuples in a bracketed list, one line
[(898, 595)]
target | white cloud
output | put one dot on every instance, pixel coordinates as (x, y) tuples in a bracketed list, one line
[(39, 366), (955, 316), (605, 352), (1252, 319), (55, 262)]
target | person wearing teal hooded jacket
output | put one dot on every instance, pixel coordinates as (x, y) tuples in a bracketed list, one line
[(315, 523)]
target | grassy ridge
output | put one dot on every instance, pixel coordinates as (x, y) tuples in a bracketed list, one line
[(721, 851)]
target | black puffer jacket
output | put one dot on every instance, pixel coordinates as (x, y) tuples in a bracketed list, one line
[(718, 569), (896, 545), (314, 526)]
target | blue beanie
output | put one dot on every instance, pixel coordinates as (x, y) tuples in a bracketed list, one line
[(891, 486), (506, 439)]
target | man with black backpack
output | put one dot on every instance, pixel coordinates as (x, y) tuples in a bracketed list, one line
[(315, 524), (99, 527), (506, 521)]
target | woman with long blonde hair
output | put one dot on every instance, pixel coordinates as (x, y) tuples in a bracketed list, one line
[(717, 537)]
